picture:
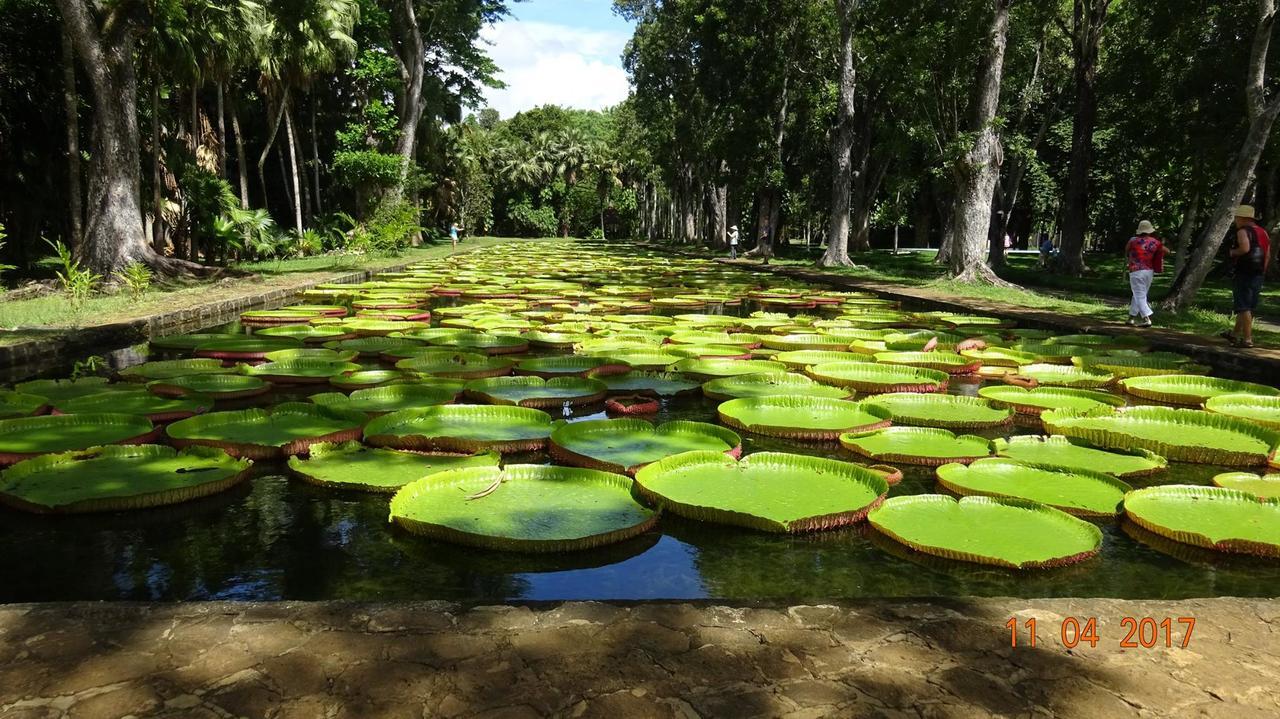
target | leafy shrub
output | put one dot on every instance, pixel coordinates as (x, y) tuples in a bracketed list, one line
[(78, 283), (136, 278), (367, 170), (529, 221), (4, 268), (390, 231)]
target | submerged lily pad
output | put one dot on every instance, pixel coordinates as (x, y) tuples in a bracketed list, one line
[(461, 428), (1190, 390), (878, 378), (353, 466), (1074, 491), (1259, 410), (284, 430), (1267, 487), (1062, 453), (625, 445), (801, 417), (946, 411), (1215, 518), (523, 508), (538, 392), (28, 437), (112, 479), (1012, 533), (770, 492), (1183, 435), (770, 385), (917, 445)]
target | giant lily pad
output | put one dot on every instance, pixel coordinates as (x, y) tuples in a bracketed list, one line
[(798, 342), (1139, 366), (1055, 375), (111, 479), (139, 402), (945, 411), (625, 445), (245, 349), (715, 368), (948, 362), (166, 369), (1210, 517), (28, 437), (1012, 533), (1062, 453), (353, 466), (1267, 487), (1000, 357), (808, 358), (768, 491), (570, 366), (285, 430), (300, 371), (187, 343), (457, 365), (651, 384), (1033, 402), (1190, 390), (492, 344), (371, 347), (770, 385), (392, 398), (878, 378), (368, 379), (801, 417), (538, 392), (1078, 492), (1183, 435), (60, 389), (1259, 410), (214, 386), (523, 508), (306, 333), (462, 428), (917, 445), (18, 404), (312, 354)]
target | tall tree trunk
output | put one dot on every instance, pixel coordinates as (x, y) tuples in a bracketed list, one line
[(157, 180), (315, 158), (293, 169), (1182, 246), (71, 103), (979, 169), (271, 139), (719, 196), (410, 55), (241, 165), (1261, 114), (923, 220), (769, 199), (113, 235), (837, 253), (222, 133), (1090, 17)]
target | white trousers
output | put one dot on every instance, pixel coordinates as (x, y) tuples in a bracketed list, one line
[(1140, 283)]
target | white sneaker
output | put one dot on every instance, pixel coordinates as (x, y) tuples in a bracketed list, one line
[(1132, 321), (1146, 322)]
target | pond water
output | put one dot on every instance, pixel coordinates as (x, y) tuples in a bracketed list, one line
[(276, 538)]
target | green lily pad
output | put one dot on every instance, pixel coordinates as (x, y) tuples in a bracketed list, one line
[(1140, 366), (770, 492), (1190, 390), (187, 343), (770, 385), (523, 508), (392, 398), (801, 417), (798, 342), (1267, 487), (1055, 375), (570, 366), (1001, 357), (808, 358), (112, 479), (643, 359), (305, 333), (1259, 410), (538, 392), (492, 344), (300, 371), (948, 362), (1062, 453), (1011, 533), (166, 369), (625, 445), (372, 347), (946, 411), (1215, 518), (353, 466), (139, 402), (283, 431), (1033, 402), (878, 378), (652, 384), (715, 368), (1182, 435), (368, 379), (245, 348), (457, 365), (312, 353), (1078, 492), (61, 389), (28, 437), (213, 386), (917, 445), (18, 404), (462, 428)]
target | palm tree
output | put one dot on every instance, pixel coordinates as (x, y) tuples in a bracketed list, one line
[(604, 162)]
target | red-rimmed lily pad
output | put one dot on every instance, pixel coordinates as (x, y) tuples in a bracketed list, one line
[(570, 366), (1264, 411), (651, 384), (457, 365), (284, 430), (245, 349), (1215, 518), (1190, 390), (166, 369), (301, 371), (1034, 402), (1183, 435)]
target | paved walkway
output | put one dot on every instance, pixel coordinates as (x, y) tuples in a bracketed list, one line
[(946, 658)]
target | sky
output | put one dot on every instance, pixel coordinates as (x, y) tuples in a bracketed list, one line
[(563, 52)]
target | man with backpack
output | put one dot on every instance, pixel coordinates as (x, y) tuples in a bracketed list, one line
[(1250, 257)]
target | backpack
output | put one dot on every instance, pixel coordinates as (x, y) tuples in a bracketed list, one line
[(1255, 261)]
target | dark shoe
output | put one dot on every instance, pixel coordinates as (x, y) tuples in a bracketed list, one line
[(1241, 344), (1228, 336)]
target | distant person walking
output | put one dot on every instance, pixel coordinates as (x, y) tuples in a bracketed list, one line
[(1145, 255), (733, 242), (453, 234), (1046, 249), (1251, 258)]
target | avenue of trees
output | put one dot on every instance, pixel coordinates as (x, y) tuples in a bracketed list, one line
[(182, 134)]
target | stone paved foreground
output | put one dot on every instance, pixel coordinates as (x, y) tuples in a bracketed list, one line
[(928, 659)]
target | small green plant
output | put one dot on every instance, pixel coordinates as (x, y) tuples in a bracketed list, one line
[(4, 268), (90, 366), (136, 278), (78, 283)]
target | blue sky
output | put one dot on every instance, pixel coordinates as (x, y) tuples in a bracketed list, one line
[(566, 52)]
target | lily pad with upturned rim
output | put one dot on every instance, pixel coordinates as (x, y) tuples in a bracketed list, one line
[(187, 342), (1078, 492), (382, 400), (538, 392), (767, 491), (808, 358), (625, 445), (112, 479), (457, 365), (1263, 487), (368, 379), (1264, 411), (462, 428), (1033, 402), (353, 466), (653, 384), (925, 446), (945, 411), (769, 385), (214, 386), (1010, 533), (310, 334), (949, 362), (1190, 390), (1183, 435), (1215, 518), (28, 437), (1062, 453), (139, 402), (300, 371), (18, 404), (284, 430), (166, 369), (570, 366), (806, 418), (245, 349), (877, 378), (523, 508), (60, 389), (710, 369), (1055, 375)]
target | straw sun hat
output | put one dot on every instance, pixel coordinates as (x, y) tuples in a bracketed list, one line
[(1246, 211), (1146, 228)]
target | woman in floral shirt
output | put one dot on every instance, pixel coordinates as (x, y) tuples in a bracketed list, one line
[(1145, 253)]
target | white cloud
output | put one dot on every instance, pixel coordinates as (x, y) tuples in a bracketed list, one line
[(545, 63)]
